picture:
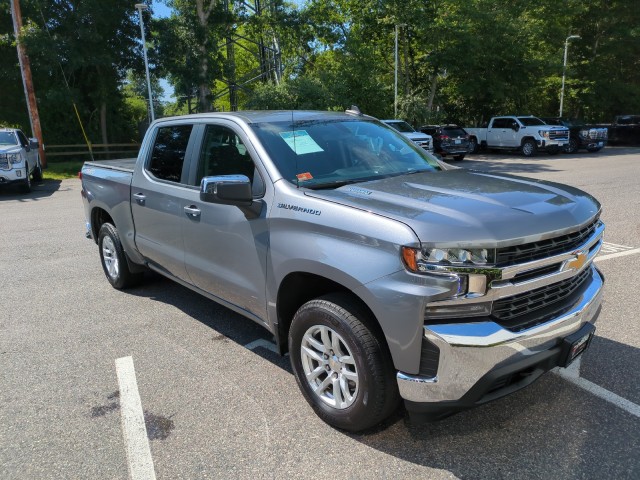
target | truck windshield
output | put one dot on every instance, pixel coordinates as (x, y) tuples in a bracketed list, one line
[(401, 126), (530, 121), (331, 153), (8, 138)]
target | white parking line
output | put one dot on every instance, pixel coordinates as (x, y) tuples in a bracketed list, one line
[(133, 427), (617, 254), (261, 343), (572, 374)]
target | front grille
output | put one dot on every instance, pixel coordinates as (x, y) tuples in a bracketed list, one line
[(544, 248), (559, 135), (597, 134), (517, 312), (4, 164)]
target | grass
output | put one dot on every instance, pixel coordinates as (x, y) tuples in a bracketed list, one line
[(62, 170)]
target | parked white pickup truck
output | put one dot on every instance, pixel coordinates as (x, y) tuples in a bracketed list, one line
[(527, 134), (19, 159)]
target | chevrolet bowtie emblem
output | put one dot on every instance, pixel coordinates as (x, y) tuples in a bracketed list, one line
[(578, 262)]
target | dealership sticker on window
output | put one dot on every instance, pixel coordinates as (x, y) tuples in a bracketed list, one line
[(303, 177), (300, 142)]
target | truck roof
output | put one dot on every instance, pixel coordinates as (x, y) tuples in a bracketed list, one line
[(259, 116)]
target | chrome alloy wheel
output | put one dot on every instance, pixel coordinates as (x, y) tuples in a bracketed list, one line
[(110, 257), (329, 366)]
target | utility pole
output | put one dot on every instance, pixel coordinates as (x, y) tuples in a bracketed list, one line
[(27, 81)]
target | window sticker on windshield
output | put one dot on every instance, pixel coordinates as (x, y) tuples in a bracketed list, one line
[(303, 177), (301, 142)]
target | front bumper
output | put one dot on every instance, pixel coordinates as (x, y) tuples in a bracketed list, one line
[(12, 175), (482, 361)]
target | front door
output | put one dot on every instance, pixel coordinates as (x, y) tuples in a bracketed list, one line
[(226, 250)]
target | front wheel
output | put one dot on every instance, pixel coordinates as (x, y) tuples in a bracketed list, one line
[(37, 172), (572, 146), (25, 186), (341, 364), (529, 148), (114, 260)]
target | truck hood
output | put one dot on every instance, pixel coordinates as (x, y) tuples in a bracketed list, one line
[(417, 136), (464, 208), (9, 148)]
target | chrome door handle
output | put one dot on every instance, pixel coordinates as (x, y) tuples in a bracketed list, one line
[(140, 198), (192, 211)]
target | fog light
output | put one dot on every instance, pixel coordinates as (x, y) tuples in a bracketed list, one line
[(18, 173)]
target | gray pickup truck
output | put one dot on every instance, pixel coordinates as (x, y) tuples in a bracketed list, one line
[(384, 273)]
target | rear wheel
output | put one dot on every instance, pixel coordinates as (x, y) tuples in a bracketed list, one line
[(529, 148), (341, 364), (114, 260)]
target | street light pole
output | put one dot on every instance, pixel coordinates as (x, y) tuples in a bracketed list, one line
[(564, 68), (140, 7), (395, 79)]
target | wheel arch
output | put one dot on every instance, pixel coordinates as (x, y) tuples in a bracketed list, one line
[(297, 288)]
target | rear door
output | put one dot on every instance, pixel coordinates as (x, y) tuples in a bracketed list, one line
[(225, 248), (157, 192)]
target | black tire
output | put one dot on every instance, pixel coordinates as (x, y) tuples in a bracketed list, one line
[(572, 146), (37, 172), (376, 393), (459, 158), (473, 145), (25, 186), (529, 148), (594, 149), (113, 259)]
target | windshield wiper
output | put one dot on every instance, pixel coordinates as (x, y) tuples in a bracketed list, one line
[(334, 184)]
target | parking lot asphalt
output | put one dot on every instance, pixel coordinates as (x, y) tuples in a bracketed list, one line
[(216, 409)]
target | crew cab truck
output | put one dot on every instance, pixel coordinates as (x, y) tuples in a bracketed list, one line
[(525, 133), (19, 159), (384, 273), (581, 135)]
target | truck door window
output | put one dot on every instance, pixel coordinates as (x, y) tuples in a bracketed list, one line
[(223, 153), (167, 155)]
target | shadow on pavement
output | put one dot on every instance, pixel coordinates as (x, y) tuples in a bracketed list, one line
[(552, 429), (225, 324), (39, 190)]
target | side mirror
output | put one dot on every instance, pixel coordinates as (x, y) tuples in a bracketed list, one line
[(33, 143), (515, 127), (227, 190)]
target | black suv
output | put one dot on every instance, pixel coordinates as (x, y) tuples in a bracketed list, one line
[(448, 140)]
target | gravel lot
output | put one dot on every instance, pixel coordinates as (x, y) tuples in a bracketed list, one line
[(215, 409)]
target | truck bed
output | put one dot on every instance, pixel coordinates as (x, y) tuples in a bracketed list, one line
[(121, 164)]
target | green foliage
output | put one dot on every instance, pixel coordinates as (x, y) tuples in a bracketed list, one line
[(459, 60)]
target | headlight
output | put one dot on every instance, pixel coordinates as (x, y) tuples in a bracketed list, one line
[(431, 259), (14, 157), (584, 133), (543, 133)]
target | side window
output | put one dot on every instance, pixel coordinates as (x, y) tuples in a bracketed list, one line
[(500, 123), (22, 138), (223, 153), (169, 149)]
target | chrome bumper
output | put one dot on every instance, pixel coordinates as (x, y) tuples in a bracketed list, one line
[(469, 351)]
